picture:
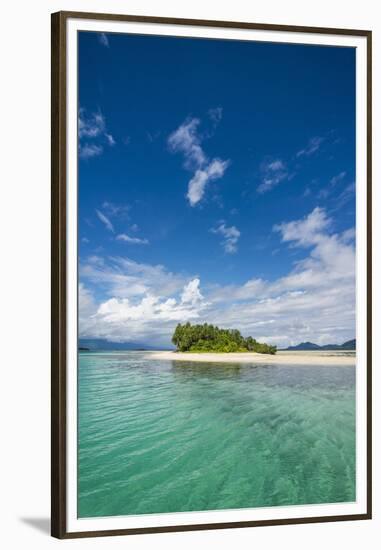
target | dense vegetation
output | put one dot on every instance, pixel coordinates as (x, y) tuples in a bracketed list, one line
[(204, 338)]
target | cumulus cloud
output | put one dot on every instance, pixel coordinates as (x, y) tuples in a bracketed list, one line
[(314, 301), (150, 308), (230, 236), (191, 293), (307, 231), (150, 316), (186, 140)]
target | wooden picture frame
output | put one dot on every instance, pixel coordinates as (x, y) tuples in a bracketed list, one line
[(59, 333)]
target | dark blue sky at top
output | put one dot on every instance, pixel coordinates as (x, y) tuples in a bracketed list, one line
[(274, 98)]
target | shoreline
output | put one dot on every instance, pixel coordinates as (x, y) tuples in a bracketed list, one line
[(302, 358)]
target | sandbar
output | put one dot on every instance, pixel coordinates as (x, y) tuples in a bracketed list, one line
[(303, 358)]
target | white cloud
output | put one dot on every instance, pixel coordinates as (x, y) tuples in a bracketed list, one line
[(252, 289), (123, 277), (92, 134), (273, 172), (197, 184), (327, 191), (312, 147), (103, 39), (89, 150), (345, 196), (348, 235), (86, 302), (104, 219), (307, 231), (119, 212), (151, 316), (116, 210), (337, 179), (230, 237), (131, 240), (314, 301), (276, 165), (86, 308), (118, 314), (92, 125), (191, 293), (215, 114), (187, 141), (110, 139), (332, 257)]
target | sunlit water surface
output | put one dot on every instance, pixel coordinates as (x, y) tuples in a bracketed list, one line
[(167, 436)]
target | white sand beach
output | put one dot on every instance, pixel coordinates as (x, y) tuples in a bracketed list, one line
[(302, 358)]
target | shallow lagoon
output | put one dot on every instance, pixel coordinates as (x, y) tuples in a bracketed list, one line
[(170, 436)]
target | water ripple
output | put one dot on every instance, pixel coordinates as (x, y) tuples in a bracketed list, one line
[(165, 437)]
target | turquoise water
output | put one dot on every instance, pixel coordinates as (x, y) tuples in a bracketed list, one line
[(167, 436)]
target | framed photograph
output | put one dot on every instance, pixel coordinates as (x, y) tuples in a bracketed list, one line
[(211, 274)]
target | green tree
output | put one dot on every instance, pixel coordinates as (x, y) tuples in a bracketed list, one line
[(204, 338)]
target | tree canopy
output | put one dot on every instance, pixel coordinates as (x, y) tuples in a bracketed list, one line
[(210, 338)]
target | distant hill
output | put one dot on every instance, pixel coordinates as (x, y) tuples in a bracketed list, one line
[(304, 346), (309, 346), (351, 344), (98, 344)]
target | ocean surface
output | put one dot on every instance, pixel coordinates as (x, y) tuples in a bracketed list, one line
[(169, 436)]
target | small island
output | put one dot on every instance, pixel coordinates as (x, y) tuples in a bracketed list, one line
[(210, 344), (212, 339)]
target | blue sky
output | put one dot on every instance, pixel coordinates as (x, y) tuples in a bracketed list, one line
[(216, 183)]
